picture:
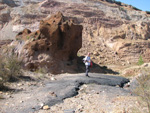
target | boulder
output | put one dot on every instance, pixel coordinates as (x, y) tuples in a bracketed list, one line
[(54, 46)]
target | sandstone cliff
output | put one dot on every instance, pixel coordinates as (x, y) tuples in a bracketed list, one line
[(54, 46)]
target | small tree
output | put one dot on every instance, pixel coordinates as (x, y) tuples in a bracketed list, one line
[(140, 62)]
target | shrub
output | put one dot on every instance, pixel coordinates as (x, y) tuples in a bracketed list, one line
[(28, 37), (136, 8), (140, 62), (10, 68), (3, 71), (42, 70), (117, 2), (148, 12), (143, 90), (13, 65), (1, 97), (122, 9)]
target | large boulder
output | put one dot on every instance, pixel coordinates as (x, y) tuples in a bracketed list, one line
[(54, 46)]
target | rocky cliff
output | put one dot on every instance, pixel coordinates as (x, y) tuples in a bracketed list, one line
[(54, 46), (112, 31)]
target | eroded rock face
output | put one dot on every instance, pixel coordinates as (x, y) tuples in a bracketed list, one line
[(54, 46), (125, 43)]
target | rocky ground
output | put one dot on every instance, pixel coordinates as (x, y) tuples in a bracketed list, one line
[(68, 93), (94, 98)]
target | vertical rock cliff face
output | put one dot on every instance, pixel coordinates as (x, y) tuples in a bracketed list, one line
[(54, 46)]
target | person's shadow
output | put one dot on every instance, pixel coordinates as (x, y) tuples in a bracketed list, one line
[(95, 68)]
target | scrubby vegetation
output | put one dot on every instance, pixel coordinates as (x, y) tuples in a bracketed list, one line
[(28, 37), (122, 9), (118, 3), (136, 8), (143, 90), (42, 70), (148, 12), (140, 61), (10, 68)]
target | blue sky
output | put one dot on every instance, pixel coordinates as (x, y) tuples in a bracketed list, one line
[(140, 4)]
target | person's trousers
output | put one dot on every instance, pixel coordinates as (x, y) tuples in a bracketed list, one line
[(87, 70)]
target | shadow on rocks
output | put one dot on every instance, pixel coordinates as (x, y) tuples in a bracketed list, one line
[(12, 80), (8, 89), (26, 78), (20, 78), (95, 68)]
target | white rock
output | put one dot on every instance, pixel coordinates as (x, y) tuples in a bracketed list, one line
[(52, 78), (46, 107)]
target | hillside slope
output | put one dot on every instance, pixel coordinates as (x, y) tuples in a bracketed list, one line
[(113, 32)]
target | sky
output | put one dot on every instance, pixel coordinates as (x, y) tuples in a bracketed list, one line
[(140, 4)]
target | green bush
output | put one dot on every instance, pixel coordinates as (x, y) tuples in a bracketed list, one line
[(140, 62)]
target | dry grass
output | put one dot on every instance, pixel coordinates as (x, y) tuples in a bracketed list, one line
[(131, 72), (143, 89), (10, 68), (1, 97)]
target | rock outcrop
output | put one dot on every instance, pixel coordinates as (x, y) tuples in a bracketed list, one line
[(54, 46), (125, 43), (108, 26)]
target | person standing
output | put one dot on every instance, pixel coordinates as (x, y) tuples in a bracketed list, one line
[(87, 61)]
